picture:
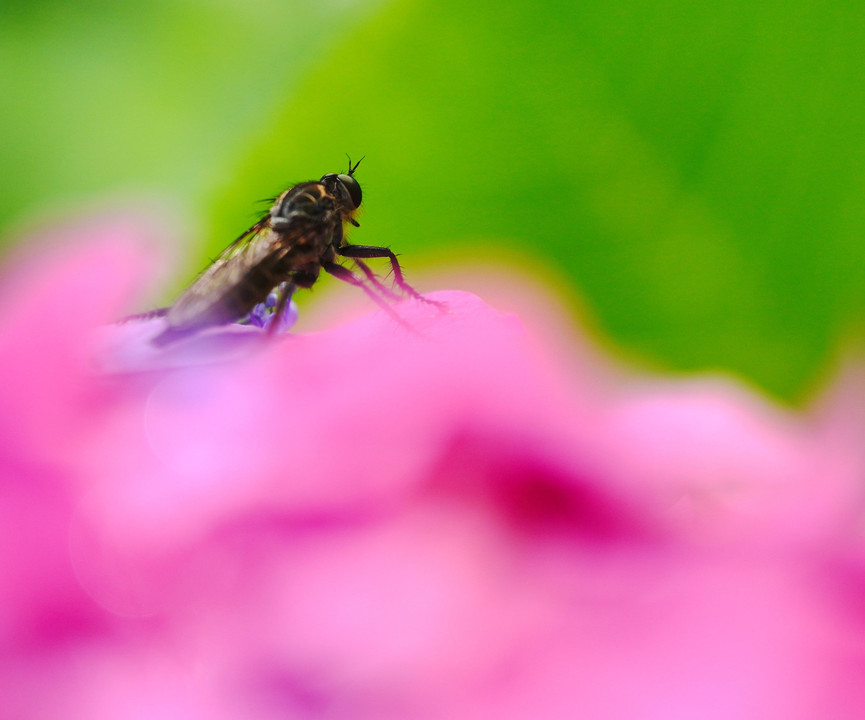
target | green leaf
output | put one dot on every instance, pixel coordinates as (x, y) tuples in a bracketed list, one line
[(105, 99), (695, 169)]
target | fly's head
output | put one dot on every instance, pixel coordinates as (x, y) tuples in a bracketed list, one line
[(345, 189)]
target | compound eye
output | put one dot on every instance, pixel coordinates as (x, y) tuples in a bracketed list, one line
[(353, 188)]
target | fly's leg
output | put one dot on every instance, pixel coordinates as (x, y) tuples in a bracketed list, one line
[(346, 275), (371, 251), (284, 298), (371, 277), (158, 312)]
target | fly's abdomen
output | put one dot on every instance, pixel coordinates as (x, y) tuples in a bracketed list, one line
[(253, 288), (234, 303)]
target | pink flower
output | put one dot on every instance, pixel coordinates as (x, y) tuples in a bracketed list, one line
[(467, 521)]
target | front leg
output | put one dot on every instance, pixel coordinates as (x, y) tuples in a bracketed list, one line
[(371, 251), (346, 275), (371, 278)]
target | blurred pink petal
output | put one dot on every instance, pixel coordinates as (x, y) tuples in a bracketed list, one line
[(727, 462), (374, 523)]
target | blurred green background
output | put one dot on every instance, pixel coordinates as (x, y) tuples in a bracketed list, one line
[(694, 170)]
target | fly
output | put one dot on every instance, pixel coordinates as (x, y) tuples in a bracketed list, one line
[(301, 235)]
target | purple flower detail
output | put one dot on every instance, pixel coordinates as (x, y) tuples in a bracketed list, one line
[(262, 314), (259, 317)]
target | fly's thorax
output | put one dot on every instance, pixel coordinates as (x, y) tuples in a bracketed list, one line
[(309, 199)]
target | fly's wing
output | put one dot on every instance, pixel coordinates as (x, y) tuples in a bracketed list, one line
[(201, 303)]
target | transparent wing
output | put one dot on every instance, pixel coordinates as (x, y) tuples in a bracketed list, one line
[(199, 301)]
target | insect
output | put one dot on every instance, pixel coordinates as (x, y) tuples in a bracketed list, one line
[(287, 248)]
